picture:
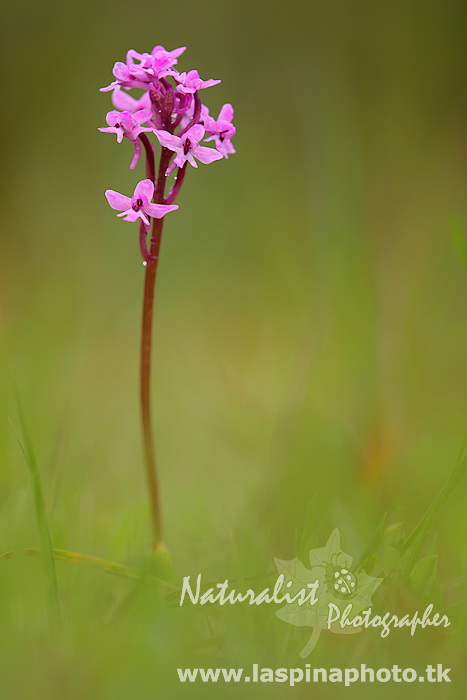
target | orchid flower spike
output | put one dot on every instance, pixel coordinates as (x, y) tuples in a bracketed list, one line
[(167, 109)]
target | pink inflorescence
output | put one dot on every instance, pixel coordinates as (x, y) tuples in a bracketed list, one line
[(168, 107)]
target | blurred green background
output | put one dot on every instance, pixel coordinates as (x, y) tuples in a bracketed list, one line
[(309, 336)]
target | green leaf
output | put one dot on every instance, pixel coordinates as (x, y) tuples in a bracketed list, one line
[(423, 577), (413, 545), (373, 545)]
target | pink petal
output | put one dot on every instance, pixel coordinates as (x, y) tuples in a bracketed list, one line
[(123, 101), (121, 70), (166, 139), (209, 83), (171, 167), (196, 133), (144, 188), (118, 201), (144, 101), (131, 54), (137, 130), (142, 115), (191, 160), (206, 155), (136, 155), (113, 86), (226, 114), (126, 215), (160, 210), (178, 52), (144, 217), (132, 216)]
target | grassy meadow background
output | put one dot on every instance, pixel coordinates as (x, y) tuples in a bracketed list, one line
[(310, 335)]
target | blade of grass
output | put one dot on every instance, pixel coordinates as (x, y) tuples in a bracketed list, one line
[(372, 545), (414, 543), (109, 567), (41, 514)]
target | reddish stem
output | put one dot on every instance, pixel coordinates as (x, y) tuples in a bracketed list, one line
[(195, 120), (173, 194), (146, 352), (143, 249), (150, 167), (145, 381)]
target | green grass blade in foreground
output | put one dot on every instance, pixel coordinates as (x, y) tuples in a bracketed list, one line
[(41, 514), (372, 545), (414, 543), (109, 567)]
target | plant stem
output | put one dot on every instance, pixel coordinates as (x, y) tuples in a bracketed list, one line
[(145, 381), (173, 194), (150, 167), (146, 353)]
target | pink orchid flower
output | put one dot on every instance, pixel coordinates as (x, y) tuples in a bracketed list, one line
[(163, 60), (139, 206), (142, 69), (128, 76), (128, 125), (191, 82), (221, 130), (159, 62), (187, 147)]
